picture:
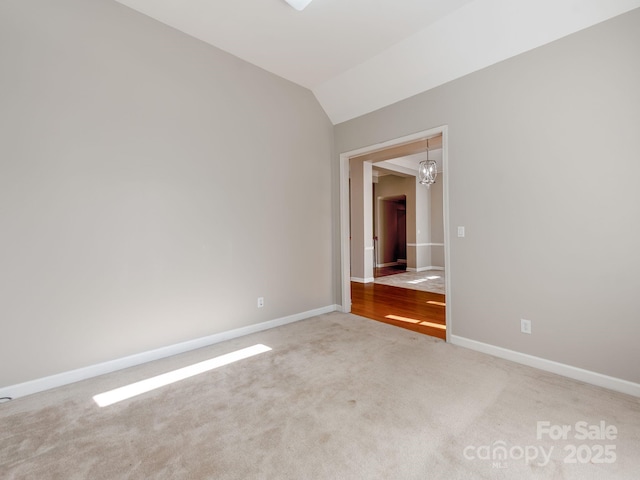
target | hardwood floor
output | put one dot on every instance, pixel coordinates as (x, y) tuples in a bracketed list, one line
[(391, 270), (422, 312)]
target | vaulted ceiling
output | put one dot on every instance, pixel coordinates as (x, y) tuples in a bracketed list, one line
[(360, 55)]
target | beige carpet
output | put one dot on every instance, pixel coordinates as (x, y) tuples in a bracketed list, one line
[(428, 281), (338, 397)]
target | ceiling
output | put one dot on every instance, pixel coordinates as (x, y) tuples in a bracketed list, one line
[(407, 166), (360, 55)]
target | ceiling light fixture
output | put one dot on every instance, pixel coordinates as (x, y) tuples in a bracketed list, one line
[(427, 170), (298, 4)]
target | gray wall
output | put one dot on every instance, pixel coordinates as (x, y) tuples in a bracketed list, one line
[(436, 229), (422, 200), (151, 188), (393, 186), (361, 228), (544, 168)]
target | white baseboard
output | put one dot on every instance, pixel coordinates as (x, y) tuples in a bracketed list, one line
[(424, 269), (64, 378), (594, 378), (362, 280), (390, 264)]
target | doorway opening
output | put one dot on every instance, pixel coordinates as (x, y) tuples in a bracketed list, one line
[(394, 254), (389, 234)]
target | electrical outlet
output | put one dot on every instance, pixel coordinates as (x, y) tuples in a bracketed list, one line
[(260, 302), (525, 326)]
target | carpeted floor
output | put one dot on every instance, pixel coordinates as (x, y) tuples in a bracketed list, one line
[(338, 397), (428, 281)]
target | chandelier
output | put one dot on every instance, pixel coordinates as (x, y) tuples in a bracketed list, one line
[(427, 170)]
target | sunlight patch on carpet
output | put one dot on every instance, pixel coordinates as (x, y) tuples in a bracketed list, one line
[(128, 391)]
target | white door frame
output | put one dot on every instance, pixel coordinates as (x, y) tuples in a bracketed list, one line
[(345, 276)]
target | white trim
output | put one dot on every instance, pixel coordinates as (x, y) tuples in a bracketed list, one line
[(447, 240), (362, 280), (424, 269), (345, 232), (65, 378), (390, 264), (345, 254), (425, 244), (366, 249), (594, 378)]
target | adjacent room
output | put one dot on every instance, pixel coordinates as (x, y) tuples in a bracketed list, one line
[(195, 197), (396, 231)]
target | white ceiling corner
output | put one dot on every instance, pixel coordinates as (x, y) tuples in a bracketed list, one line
[(298, 4), (358, 56)]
